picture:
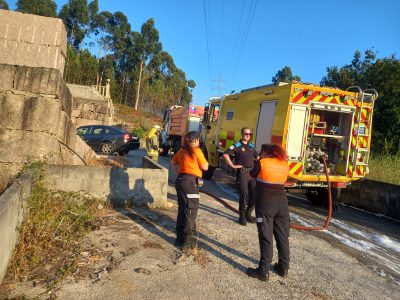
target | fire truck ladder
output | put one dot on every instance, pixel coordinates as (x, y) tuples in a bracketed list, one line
[(362, 133)]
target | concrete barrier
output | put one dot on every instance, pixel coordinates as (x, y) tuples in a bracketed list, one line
[(374, 196), (136, 186), (12, 207)]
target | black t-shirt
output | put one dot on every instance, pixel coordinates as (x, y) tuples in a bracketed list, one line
[(256, 169), (244, 154)]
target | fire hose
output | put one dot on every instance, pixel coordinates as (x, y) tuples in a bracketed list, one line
[(294, 226)]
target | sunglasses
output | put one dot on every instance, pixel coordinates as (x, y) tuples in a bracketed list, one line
[(247, 134)]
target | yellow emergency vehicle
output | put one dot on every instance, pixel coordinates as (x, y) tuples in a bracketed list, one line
[(307, 120)]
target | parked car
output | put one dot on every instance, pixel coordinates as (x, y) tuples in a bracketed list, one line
[(108, 140)]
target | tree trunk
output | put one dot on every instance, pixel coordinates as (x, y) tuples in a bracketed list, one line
[(138, 86), (98, 66), (121, 94)]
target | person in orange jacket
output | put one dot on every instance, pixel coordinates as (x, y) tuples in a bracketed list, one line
[(188, 163), (272, 211)]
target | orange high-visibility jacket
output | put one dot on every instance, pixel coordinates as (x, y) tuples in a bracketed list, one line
[(273, 171)]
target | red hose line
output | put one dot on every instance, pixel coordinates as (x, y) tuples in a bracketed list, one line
[(294, 226)]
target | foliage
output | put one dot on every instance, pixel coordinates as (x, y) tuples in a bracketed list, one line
[(141, 73), (285, 75), (382, 74), (3, 4), (47, 8), (385, 168), (81, 67), (49, 235), (75, 15), (139, 131)]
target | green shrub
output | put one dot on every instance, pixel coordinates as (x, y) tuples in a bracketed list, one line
[(146, 124), (139, 131)]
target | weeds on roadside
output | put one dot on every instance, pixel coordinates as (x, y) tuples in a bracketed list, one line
[(49, 236), (385, 168)]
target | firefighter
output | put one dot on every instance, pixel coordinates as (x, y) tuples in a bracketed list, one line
[(272, 212), (152, 143), (245, 154), (188, 163)]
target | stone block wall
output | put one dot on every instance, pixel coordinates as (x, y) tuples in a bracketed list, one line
[(30, 40), (35, 120), (89, 106)]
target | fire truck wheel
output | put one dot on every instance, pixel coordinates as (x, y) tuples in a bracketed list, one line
[(209, 173), (320, 196)]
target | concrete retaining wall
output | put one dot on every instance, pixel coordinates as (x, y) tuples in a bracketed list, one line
[(374, 196), (136, 186), (31, 40), (12, 205)]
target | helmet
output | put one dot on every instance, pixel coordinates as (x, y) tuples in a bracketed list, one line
[(157, 127)]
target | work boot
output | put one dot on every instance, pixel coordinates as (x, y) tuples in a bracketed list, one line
[(190, 243), (259, 273), (335, 207), (242, 218), (281, 270), (179, 242), (249, 217)]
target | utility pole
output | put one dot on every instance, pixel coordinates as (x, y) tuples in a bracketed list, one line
[(219, 87)]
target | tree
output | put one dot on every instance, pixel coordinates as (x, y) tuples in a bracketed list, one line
[(75, 15), (148, 45), (383, 74), (285, 75), (46, 8), (351, 74), (3, 5)]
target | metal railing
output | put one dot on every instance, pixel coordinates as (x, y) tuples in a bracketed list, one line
[(104, 90)]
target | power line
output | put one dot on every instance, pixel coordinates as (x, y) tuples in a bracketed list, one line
[(219, 87), (208, 47), (249, 22), (237, 34), (221, 35)]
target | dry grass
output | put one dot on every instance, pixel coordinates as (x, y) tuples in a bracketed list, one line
[(49, 236), (113, 161), (134, 120), (385, 168)]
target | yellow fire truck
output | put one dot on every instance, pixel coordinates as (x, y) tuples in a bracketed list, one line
[(307, 120)]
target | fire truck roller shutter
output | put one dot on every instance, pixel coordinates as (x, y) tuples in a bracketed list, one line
[(296, 131), (265, 122)]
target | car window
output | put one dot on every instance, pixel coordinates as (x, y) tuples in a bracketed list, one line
[(97, 130), (109, 130), (83, 130)]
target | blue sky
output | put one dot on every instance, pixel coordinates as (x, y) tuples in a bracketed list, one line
[(307, 35)]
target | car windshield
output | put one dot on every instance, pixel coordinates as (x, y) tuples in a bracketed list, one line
[(82, 130)]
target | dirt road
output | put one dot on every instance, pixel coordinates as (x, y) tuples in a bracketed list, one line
[(132, 256)]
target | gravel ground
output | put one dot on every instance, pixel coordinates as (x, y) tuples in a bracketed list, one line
[(132, 256)]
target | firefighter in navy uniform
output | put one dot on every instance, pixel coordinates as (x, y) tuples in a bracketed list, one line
[(272, 212), (245, 154)]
